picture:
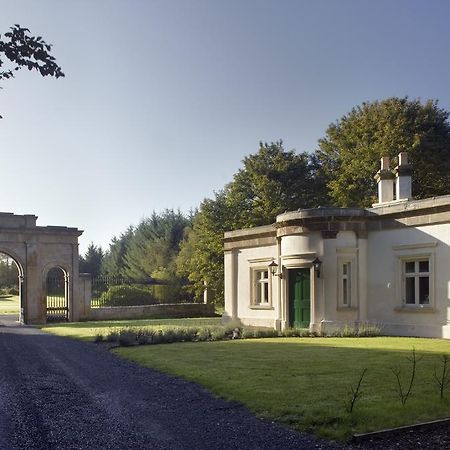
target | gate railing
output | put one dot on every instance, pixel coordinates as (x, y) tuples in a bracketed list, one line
[(121, 291), (57, 305)]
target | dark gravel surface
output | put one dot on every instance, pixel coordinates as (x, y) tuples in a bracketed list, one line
[(57, 393)]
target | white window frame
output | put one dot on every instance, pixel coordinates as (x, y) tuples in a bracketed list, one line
[(257, 287), (403, 275), (348, 299)]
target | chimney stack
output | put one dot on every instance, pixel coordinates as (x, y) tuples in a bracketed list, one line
[(403, 178), (385, 181)]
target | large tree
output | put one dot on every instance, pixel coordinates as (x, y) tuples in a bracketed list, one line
[(19, 49), (350, 152), (92, 260), (152, 248), (114, 260), (270, 182)]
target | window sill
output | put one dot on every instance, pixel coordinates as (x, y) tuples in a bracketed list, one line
[(415, 309), (261, 306), (347, 308)]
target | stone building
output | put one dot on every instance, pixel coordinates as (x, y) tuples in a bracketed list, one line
[(326, 267), (50, 287)]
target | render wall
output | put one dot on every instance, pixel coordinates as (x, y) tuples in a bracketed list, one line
[(385, 306), (238, 305)]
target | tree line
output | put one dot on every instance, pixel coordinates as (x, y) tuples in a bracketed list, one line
[(187, 249)]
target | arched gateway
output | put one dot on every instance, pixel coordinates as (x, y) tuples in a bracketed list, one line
[(47, 262)]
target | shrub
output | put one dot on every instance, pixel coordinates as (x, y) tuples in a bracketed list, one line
[(296, 332), (127, 338), (127, 295), (112, 336), (254, 332), (98, 337), (360, 330), (203, 334)]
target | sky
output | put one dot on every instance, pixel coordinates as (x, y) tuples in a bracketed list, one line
[(163, 99)]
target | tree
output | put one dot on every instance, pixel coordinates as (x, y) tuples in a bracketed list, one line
[(92, 261), (348, 156), (270, 182), (114, 260), (154, 244), (200, 259), (23, 50)]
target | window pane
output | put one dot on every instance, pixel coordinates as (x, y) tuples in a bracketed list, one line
[(423, 266), (410, 291), (424, 291), (265, 274), (266, 293), (344, 269), (345, 291), (409, 267)]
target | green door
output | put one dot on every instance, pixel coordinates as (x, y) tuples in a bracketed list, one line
[(299, 298)]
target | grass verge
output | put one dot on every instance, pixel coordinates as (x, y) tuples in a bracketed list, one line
[(304, 382), (9, 304), (88, 330)]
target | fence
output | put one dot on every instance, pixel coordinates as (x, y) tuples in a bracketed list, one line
[(57, 307), (119, 291)]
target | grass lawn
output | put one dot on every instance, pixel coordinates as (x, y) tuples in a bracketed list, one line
[(304, 382), (9, 304), (87, 330)]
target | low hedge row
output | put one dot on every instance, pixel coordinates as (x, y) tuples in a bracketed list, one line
[(167, 335)]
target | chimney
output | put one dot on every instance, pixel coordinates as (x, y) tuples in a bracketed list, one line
[(385, 181), (403, 178)]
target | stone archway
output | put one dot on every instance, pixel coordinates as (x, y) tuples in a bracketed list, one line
[(36, 250), (19, 281)]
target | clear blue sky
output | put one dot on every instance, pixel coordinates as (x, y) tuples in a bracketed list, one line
[(163, 99)]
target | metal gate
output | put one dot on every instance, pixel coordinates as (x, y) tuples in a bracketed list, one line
[(57, 305)]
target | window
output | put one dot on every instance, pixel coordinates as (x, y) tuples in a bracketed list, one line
[(261, 287), (347, 281), (416, 282)]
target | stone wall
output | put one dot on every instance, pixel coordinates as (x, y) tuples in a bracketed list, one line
[(152, 311)]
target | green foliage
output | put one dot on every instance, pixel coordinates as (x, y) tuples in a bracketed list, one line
[(348, 156), (201, 254), (360, 330), (8, 275), (23, 50), (114, 258), (256, 333), (154, 244), (127, 295), (92, 260), (296, 332)]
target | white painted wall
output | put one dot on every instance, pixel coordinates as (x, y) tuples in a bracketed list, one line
[(384, 281)]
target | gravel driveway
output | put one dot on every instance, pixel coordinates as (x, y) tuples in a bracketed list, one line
[(57, 393)]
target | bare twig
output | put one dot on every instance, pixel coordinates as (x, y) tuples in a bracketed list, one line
[(396, 371), (444, 378), (355, 393)]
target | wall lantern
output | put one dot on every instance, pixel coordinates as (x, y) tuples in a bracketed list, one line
[(317, 264), (273, 266)]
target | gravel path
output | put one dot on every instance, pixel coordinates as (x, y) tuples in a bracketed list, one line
[(57, 393)]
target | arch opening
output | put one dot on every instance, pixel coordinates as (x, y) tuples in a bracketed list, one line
[(57, 301), (11, 279)]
